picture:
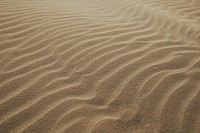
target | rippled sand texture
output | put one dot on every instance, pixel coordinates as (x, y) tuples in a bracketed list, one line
[(99, 66)]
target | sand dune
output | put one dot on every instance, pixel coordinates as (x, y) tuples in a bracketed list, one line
[(99, 66)]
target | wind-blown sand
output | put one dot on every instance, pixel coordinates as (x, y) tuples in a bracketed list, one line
[(99, 66)]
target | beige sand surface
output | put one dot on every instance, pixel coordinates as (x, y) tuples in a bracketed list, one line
[(99, 66)]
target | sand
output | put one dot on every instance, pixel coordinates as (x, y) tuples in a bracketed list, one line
[(99, 66)]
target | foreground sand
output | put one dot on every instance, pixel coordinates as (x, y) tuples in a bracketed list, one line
[(99, 66)]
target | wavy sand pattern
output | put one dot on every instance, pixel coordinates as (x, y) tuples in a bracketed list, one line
[(99, 66)]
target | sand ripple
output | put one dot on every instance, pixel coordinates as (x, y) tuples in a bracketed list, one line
[(99, 66)]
